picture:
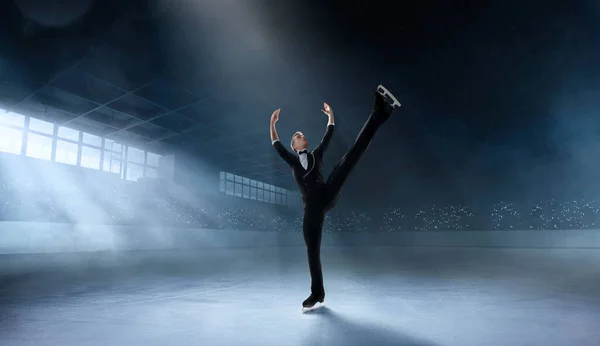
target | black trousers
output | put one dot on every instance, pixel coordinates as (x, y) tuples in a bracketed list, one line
[(314, 212)]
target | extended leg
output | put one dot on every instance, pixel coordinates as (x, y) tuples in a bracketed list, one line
[(382, 110), (313, 231)]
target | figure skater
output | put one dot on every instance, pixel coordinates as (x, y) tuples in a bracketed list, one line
[(320, 196)]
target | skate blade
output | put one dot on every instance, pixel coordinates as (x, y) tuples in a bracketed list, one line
[(313, 308), (387, 94)]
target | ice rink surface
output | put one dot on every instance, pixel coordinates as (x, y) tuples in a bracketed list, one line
[(375, 296)]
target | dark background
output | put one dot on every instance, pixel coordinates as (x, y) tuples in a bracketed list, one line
[(500, 99)]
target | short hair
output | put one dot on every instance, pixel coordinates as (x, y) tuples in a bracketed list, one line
[(292, 141)]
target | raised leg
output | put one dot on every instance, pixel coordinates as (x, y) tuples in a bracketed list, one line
[(382, 110), (313, 230)]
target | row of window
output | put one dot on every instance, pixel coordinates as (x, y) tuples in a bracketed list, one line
[(43, 140), (235, 185)]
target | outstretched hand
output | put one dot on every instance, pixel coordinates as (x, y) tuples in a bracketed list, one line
[(275, 116), (327, 110)]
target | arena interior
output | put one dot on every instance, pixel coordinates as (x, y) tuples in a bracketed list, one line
[(142, 202)]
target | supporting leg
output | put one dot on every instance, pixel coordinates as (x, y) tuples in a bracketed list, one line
[(313, 231)]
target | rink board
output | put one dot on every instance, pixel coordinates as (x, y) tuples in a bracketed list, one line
[(31, 237)]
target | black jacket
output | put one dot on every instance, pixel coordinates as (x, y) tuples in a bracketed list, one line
[(310, 180)]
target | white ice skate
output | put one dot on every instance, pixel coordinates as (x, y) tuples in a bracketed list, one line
[(388, 95), (313, 308)]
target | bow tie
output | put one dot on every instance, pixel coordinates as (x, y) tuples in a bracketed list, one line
[(303, 152)]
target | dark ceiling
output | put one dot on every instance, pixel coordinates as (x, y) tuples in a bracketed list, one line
[(111, 73), (480, 81), (201, 79)]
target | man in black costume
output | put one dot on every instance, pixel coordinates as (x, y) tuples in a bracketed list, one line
[(320, 196)]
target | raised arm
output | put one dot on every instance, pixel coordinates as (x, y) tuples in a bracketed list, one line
[(281, 150), (320, 149)]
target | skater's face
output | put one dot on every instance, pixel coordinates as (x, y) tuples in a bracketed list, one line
[(299, 142)]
